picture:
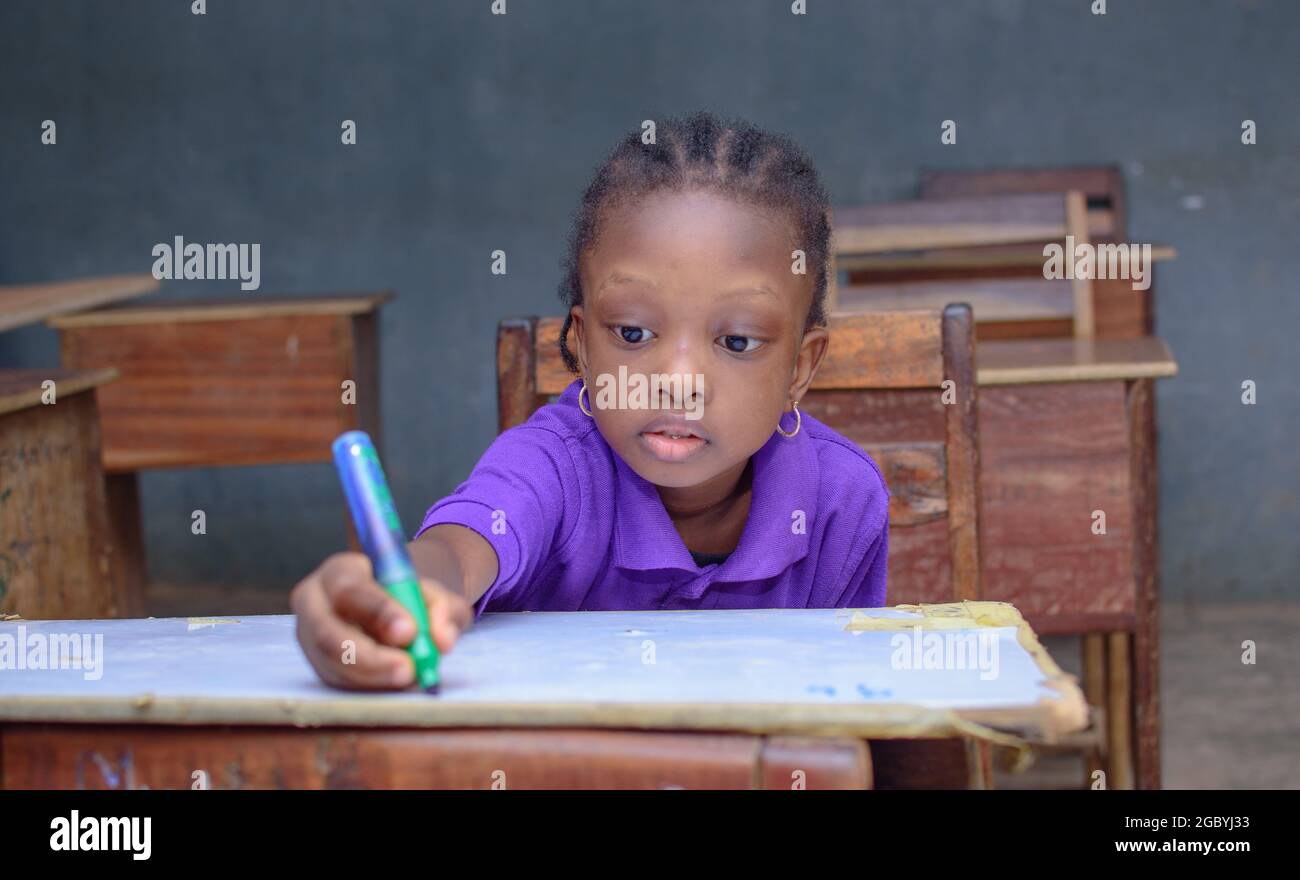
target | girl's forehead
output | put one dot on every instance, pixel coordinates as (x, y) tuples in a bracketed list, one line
[(679, 223), (699, 202), (699, 245)]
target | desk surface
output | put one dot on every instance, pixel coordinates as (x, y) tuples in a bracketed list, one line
[(996, 256), (766, 671), (28, 303), (1021, 361), (224, 309), (21, 389)]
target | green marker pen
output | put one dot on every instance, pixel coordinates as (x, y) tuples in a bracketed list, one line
[(384, 542)]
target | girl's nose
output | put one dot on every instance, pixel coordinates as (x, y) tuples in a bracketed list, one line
[(681, 390), (681, 366), (682, 386)]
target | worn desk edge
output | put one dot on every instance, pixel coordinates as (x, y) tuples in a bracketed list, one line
[(1151, 359), (56, 297), (66, 382), (225, 309)]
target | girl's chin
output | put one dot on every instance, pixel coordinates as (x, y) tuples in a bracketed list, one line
[(668, 474)]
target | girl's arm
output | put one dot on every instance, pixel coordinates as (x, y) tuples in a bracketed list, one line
[(457, 558)]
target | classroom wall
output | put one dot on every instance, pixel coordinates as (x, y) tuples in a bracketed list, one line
[(478, 132)]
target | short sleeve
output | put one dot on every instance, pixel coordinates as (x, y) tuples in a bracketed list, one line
[(522, 497), (860, 496), (865, 586)]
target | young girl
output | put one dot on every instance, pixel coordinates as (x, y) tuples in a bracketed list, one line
[(686, 266)]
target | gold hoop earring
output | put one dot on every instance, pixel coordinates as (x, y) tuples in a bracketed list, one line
[(581, 392), (798, 423)]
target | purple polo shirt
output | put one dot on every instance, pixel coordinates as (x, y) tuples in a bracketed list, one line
[(576, 529)]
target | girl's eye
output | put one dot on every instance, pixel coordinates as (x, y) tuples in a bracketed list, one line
[(740, 344), (632, 335)]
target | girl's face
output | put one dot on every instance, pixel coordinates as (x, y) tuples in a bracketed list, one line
[(701, 289)]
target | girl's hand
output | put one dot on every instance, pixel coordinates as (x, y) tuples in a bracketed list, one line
[(353, 632)]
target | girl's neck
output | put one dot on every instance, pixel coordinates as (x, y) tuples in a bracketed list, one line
[(711, 516)]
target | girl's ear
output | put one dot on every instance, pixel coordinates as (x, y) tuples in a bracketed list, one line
[(579, 347), (811, 351)]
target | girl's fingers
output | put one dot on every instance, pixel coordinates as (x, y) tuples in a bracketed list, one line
[(363, 602), (353, 631), (449, 615), (342, 653), (359, 660)]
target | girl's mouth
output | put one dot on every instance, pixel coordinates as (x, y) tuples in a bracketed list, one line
[(670, 445)]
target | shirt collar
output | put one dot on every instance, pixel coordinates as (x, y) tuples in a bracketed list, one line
[(781, 510)]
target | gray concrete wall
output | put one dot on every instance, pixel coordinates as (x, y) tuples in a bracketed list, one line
[(479, 132)]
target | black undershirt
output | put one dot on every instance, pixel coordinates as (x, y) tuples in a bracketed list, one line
[(703, 559)]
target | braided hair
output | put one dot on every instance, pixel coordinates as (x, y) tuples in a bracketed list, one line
[(730, 157)]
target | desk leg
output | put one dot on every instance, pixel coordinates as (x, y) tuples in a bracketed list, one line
[(1119, 704), (1094, 690), (365, 415), (123, 494), (980, 759), (1146, 573)]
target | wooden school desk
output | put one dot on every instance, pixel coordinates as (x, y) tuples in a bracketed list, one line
[(1081, 445), (1119, 312), (771, 698), (56, 552), (54, 521), (223, 382), (1066, 431)]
